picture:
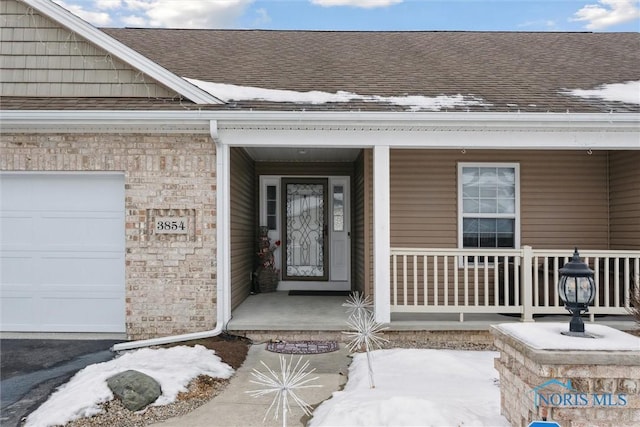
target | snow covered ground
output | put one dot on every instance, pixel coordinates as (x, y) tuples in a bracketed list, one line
[(417, 388), (413, 387), (173, 368)]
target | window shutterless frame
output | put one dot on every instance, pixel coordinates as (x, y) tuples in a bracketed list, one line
[(485, 199)]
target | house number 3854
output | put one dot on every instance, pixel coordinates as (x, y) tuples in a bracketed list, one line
[(171, 225)]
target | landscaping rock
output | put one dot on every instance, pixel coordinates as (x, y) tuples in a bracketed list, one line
[(135, 389)]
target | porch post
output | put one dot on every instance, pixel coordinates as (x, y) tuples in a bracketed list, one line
[(381, 234), (223, 244), (527, 284)]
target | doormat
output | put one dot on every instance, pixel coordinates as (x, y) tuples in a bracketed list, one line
[(321, 293), (302, 347)]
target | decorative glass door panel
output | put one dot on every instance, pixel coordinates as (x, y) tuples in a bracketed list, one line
[(305, 229)]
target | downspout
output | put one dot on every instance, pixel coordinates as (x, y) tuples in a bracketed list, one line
[(222, 250)]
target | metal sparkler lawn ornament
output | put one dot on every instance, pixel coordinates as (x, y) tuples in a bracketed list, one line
[(366, 331), (284, 384), (357, 302)]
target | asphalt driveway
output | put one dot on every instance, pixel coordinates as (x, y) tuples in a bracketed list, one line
[(31, 369)]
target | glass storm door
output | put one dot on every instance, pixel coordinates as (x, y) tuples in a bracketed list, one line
[(305, 229)]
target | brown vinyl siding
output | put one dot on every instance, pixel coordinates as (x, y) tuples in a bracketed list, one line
[(423, 198), (41, 58), (243, 225), (624, 200), (564, 201), (563, 197), (362, 230)]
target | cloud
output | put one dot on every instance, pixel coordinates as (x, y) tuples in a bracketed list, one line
[(547, 24), (138, 4), (365, 4), (108, 4), (96, 18), (160, 13), (194, 13), (133, 21), (608, 13), (263, 17)]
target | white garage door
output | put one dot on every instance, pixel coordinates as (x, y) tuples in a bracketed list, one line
[(62, 252)]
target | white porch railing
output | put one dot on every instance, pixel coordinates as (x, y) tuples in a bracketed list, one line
[(519, 281)]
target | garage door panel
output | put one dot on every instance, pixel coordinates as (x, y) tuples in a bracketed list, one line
[(91, 271), (17, 312), (62, 312), (50, 192), (17, 231), (62, 253), (16, 193), (16, 271), (80, 232)]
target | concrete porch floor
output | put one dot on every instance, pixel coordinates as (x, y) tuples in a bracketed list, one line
[(278, 311)]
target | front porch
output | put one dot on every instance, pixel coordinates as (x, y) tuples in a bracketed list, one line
[(407, 248), (447, 292), (279, 316)]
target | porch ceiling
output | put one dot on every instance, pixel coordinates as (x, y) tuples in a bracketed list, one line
[(302, 154)]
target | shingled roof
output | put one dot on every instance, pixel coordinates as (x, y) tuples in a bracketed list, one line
[(507, 71), (498, 71)]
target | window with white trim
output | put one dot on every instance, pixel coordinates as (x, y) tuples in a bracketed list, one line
[(488, 205)]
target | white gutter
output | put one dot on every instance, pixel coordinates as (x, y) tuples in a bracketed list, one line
[(261, 118), (435, 130), (223, 245)]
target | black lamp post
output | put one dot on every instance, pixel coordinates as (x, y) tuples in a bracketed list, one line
[(577, 289)]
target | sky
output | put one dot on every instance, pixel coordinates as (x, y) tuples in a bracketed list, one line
[(364, 15)]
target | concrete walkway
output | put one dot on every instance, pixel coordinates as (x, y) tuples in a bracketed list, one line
[(234, 407)]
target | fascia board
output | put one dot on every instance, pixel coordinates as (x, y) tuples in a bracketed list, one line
[(390, 119), (488, 138), (123, 52), (398, 130), (329, 120)]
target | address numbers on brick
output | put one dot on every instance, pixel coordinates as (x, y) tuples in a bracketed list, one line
[(171, 225)]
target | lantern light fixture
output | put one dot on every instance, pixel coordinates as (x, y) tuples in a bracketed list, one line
[(577, 289)]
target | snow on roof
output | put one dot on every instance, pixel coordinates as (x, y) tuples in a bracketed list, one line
[(547, 336), (628, 92), (229, 92)]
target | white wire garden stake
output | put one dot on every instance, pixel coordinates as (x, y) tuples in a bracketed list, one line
[(284, 384), (357, 302), (366, 332)]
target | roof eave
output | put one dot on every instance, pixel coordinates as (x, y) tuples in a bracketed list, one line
[(353, 129), (345, 118)]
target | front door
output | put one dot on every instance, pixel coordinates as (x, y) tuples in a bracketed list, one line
[(305, 229), (310, 216)]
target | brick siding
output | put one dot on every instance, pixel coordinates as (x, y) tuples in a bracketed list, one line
[(170, 279)]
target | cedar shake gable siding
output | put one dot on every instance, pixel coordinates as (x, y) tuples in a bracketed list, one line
[(41, 58)]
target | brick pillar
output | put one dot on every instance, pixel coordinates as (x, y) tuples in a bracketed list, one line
[(574, 387)]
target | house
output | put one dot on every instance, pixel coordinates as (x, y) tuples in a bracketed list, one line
[(437, 172)]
